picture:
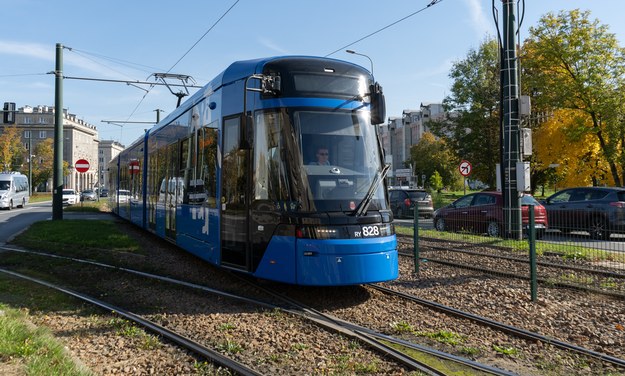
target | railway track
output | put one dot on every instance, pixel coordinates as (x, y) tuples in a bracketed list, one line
[(178, 339), (518, 267), (373, 339)]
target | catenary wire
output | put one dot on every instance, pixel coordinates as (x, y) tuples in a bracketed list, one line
[(433, 2)]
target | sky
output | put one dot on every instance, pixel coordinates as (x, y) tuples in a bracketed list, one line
[(411, 46)]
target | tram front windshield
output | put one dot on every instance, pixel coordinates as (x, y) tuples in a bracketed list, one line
[(312, 160)]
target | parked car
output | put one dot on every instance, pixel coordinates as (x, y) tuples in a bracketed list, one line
[(70, 197), (88, 195), (600, 211), (123, 196), (482, 212), (402, 201), (104, 192)]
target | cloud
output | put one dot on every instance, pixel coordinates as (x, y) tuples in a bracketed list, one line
[(272, 46), (32, 50), (480, 22), (46, 53)]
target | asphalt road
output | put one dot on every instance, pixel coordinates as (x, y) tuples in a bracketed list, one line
[(12, 222)]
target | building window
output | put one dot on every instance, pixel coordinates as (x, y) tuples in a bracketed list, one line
[(26, 134), (28, 120), (43, 134), (42, 120)]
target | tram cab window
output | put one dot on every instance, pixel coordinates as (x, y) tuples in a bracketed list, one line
[(352, 149)]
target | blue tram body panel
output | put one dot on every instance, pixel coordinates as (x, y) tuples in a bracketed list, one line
[(198, 231), (330, 262), (237, 223)]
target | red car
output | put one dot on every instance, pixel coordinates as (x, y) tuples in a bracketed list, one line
[(482, 212)]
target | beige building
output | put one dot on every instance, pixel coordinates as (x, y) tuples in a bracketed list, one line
[(107, 150), (80, 141)]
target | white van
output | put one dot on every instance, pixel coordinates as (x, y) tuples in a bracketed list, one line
[(13, 190)]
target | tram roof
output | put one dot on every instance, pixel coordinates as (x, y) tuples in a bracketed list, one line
[(234, 72)]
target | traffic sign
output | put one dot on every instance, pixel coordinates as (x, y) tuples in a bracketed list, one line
[(133, 166), (82, 165), (465, 168)]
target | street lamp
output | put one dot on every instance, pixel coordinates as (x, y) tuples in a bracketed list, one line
[(356, 53)]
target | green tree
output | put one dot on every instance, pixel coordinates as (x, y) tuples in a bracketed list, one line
[(572, 62), (432, 155), (436, 182), (11, 148), (472, 125), (43, 161)]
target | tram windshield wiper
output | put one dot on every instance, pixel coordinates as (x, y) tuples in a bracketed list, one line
[(379, 178)]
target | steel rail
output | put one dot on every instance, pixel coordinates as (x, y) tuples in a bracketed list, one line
[(322, 319), (503, 327), (518, 259), (182, 341)]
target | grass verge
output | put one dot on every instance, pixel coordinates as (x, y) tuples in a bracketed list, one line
[(25, 349)]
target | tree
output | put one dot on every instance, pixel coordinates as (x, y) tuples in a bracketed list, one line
[(11, 148), (574, 63), (472, 128), (430, 156), (43, 162), (578, 157)]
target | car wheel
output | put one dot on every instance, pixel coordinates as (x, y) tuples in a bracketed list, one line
[(440, 225), (540, 234), (400, 213), (598, 228), (23, 203), (493, 229), (10, 204)]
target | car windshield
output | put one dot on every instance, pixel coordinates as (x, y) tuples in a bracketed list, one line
[(529, 200), (317, 160), (68, 192), (417, 195)]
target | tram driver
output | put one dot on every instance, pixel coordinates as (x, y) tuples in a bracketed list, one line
[(322, 157)]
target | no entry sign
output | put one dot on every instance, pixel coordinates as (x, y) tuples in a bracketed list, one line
[(82, 165)]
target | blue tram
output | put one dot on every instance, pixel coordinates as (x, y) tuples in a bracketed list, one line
[(275, 169)]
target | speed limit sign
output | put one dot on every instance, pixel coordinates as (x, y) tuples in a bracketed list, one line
[(465, 168)]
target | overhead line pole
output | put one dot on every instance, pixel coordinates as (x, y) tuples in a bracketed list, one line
[(57, 181), (511, 129)]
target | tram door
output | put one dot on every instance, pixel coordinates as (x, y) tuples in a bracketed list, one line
[(170, 190), (234, 199)]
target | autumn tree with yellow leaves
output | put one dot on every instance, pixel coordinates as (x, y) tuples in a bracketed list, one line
[(574, 64)]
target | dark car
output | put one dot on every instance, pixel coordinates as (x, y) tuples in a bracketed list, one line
[(482, 212), (402, 201), (104, 192), (600, 211), (88, 195)]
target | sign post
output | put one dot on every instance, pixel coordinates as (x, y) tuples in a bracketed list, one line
[(82, 166), (465, 169)]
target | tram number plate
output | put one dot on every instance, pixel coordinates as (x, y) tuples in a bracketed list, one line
[(368, 231)]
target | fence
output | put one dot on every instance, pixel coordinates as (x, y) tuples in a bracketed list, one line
[(578, 251)]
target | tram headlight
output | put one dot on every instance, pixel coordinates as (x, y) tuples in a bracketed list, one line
[(319, 232), (344, 232)]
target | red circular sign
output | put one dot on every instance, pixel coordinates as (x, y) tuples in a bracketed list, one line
[(82, 165), (465, 168), (134, 167)]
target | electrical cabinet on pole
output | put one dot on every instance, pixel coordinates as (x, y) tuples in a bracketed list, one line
[(511, 129)]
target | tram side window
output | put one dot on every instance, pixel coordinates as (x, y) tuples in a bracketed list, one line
[(269, 166), (205, 175)]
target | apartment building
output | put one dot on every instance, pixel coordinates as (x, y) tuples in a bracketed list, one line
[(80, 141)]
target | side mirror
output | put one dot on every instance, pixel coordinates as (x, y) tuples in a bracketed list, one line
[(378, 104)]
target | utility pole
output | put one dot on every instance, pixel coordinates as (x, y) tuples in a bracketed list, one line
[(57, 181), (510, 126)]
